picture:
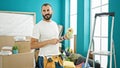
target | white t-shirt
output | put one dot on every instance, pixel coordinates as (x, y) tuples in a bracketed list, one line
[(46, 31)]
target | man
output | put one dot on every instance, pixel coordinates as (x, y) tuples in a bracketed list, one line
[(45, 37)]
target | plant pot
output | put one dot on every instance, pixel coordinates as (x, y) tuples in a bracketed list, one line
[(15, 51)]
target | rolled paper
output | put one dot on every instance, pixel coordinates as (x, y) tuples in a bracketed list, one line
[(69, 33)]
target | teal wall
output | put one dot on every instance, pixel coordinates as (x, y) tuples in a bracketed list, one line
[(86, 25), (66, 20), (32, 6), (80, 27), (83, 27), (114, 6), (61, 11)]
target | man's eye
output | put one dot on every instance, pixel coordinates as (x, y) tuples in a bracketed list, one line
[(48, 10), (43, 10)]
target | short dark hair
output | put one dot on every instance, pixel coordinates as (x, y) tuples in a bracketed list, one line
[(46, 4)]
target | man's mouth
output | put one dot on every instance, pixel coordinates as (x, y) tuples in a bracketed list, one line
[(47, 15)]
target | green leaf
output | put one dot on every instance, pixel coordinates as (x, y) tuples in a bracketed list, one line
[(15, 47)]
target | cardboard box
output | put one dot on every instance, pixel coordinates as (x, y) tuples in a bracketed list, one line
[(0, 62), (24, 59), (23, 46), (21, 60), (6, 41)]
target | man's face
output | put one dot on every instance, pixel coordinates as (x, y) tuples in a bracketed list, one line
[(47, 12)]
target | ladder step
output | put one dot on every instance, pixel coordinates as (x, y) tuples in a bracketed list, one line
[(105, 53)]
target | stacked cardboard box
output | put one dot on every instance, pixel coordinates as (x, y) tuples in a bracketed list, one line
[(23, 46), (21, 60), (6, 41), (24, 59)]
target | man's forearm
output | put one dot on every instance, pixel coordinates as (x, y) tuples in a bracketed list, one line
[(39, 44), (36, 44)]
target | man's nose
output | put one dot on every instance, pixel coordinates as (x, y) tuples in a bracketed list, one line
[(45, 12)]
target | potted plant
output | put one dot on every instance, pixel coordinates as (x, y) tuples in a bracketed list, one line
[(15, 49)]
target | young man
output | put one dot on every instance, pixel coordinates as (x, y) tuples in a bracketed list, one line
[(46, 38)]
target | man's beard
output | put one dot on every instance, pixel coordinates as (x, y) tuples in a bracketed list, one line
[(47, 16)]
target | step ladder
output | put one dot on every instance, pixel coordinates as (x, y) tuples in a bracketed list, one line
[(102, 53)]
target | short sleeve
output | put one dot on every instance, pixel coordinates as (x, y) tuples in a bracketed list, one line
[(36, 32)]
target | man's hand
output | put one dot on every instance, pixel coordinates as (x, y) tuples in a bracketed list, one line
[(53, 41)]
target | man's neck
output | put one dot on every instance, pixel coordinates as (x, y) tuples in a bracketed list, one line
[(47, 20)]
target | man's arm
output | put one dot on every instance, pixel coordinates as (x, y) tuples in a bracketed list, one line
[(36, 44)]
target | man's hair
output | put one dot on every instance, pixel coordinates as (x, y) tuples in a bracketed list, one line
[(46, 4)]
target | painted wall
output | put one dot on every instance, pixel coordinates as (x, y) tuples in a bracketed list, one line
[(60, 10), (114, 7), (83, 27), (66, 20), (32, 6), (80, 27)]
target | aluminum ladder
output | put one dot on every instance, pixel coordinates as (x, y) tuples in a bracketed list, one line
[(112, 48)]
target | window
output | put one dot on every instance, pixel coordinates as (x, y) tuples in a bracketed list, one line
[(101, 32), (73, 20)]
